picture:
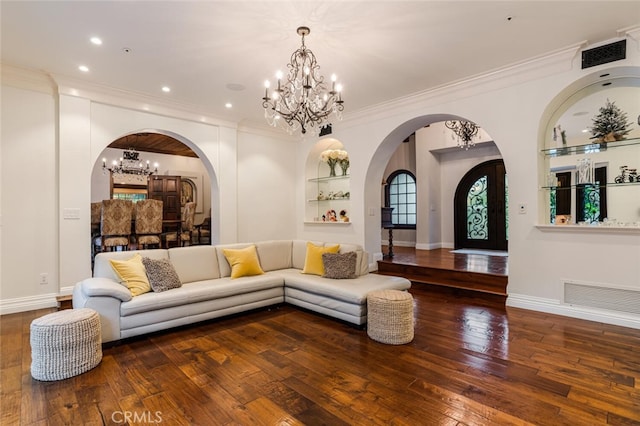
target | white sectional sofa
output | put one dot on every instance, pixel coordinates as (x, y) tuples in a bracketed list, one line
[(208, 291)]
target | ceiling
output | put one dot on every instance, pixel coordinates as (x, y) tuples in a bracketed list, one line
[(215, 52), (153, 142)]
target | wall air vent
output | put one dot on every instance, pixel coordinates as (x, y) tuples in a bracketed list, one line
[(602, 297), (604, 54)]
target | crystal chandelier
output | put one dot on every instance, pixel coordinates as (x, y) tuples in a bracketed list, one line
[(464, 130), (130, 163), (302, 100)]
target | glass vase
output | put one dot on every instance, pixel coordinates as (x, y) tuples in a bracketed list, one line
[(332, 168)]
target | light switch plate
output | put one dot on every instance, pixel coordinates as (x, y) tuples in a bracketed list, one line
[(71, 213)]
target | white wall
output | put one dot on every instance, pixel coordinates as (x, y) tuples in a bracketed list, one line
[(29, 232), (266, 187)]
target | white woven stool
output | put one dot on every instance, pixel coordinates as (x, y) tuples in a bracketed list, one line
[(65, 343), (390, 316)]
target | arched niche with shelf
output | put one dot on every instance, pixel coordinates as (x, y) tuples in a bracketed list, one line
[(327, 192), (581, 176)]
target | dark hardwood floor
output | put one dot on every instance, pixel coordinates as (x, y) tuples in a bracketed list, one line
[(441, 267), (472, 362)]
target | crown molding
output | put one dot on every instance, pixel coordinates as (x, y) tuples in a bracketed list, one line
[(517, 73), (135, 101), (631, 32), (29, 79)]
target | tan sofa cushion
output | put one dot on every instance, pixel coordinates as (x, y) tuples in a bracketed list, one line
[(195, 263), (275, 254)]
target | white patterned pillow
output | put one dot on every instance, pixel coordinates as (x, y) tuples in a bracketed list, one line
[(340, 265), (161, 273)]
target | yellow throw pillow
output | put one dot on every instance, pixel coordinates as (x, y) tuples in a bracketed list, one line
[(133, 273), (244, 262), (313, 261)]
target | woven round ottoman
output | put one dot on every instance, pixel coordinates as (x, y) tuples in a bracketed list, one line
[(390, 316), (65, 343)]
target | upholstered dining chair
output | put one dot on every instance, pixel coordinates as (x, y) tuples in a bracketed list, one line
[(96, 213), (187, 227), (204, 229), (115, 224), (148, 222)]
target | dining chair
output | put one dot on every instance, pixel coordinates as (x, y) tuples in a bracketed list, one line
[(115, 224), (148, 215), (204, 229), (187, 227), (96, 212)]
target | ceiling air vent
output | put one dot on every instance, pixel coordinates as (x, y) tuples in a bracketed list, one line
[(604, 54)]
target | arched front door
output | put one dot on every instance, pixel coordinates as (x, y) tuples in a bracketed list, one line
[(480, 208)]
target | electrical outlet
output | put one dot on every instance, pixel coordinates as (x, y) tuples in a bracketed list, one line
[(44, 278)]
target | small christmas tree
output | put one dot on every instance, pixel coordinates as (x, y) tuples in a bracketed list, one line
[(611, 124)]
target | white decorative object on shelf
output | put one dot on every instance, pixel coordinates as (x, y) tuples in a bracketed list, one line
[(584, 171)]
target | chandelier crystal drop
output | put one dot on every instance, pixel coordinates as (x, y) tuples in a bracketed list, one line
[(465, 131), (302, 100)]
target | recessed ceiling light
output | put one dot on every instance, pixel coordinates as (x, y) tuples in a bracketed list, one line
[(585, 130), (96, 40), (83, 68), (166, 89), (228, 105)]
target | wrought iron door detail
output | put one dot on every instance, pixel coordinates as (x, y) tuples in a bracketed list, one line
[(477, 209)]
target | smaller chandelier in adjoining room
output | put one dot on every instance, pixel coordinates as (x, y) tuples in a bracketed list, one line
[(465, 131), (302, 100), (130, 163)]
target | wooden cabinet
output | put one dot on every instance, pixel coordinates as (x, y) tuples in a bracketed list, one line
[(166, 189)]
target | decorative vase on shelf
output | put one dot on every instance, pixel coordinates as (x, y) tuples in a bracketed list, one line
[(344, 165), (332, 157), (332, 166)]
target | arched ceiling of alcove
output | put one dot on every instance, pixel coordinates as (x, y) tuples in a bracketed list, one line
[(153, 142)]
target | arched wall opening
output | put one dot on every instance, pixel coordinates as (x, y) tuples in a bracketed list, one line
[(565, 137), (327, 189), (197, 170), (429, 152)]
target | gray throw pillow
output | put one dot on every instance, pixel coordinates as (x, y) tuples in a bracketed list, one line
[(340, 265), (161, 273)]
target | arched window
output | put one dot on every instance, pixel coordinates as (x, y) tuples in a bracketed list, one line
[(400, 194)]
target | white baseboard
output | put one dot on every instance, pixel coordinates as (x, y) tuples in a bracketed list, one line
[(29, 303), (434, 246), (65, 291), (552, 306), (403, 243)]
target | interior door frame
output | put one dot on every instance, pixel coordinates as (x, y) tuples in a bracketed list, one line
[(496, 207)]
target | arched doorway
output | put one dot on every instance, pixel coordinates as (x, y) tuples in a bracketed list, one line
[(481, 208), (177, 162)]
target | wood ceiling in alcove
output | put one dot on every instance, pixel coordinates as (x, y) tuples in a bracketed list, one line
[(153, 142)]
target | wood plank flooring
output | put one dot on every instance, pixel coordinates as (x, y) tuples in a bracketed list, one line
[(472, 362)]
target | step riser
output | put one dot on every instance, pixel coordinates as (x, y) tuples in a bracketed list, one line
[(485, 283)]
